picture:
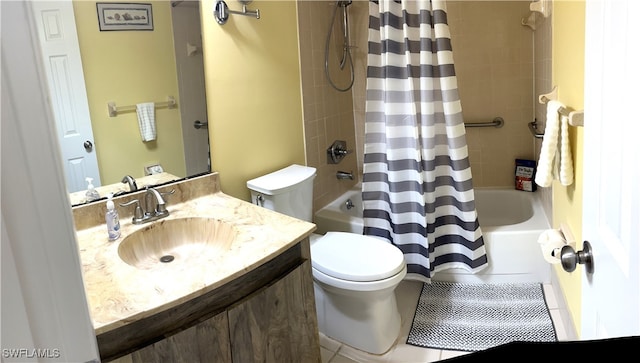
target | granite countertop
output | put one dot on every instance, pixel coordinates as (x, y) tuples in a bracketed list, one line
[(119, 293)]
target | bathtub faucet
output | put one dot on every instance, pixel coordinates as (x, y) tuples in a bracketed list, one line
[(344, 175)]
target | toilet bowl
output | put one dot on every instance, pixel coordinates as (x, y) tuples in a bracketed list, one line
[(354, 276)]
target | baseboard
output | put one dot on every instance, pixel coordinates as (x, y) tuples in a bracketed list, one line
[(567, 319)]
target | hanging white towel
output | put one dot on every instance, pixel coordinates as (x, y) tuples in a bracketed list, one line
[(566, 160), (555, 154), (549, 149), (147, 120)]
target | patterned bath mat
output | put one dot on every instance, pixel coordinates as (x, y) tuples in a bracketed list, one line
[(474, 317)]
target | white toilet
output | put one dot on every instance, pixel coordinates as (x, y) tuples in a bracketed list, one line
[(354, 275)]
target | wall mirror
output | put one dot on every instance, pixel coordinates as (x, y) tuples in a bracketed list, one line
[(89, 68)]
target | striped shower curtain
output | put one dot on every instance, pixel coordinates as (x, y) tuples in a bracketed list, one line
[(417, 190)]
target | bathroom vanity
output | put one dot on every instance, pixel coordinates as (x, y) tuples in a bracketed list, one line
[(245, 297)]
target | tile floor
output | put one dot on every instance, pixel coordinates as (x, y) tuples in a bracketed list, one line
[(407, 294)]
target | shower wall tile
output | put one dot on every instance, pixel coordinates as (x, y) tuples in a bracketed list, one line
[(543, 84), (501, 66), (494, 60), (328, 114), (360, 34), (494, 63)]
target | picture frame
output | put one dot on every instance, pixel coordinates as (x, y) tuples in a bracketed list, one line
[(124, 16)]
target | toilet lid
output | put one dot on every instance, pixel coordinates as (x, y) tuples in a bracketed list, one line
[(354, 257)]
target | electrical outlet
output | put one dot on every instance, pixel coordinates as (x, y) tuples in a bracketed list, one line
[(153, 169)]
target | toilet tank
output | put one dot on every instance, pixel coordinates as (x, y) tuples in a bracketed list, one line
[(288, 191)]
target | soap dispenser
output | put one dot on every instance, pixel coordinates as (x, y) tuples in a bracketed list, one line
[(92, 193), (113, 220)]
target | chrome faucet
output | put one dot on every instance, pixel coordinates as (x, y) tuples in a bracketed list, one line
[(155, 204), (155, 207), (131, 181)]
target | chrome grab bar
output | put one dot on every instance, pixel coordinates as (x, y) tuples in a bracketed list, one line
[(497, 122)]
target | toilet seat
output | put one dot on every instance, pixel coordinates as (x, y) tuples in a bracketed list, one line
[(333, 283), (353, 258)]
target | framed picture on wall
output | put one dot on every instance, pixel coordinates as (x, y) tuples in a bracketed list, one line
[(124, 16)]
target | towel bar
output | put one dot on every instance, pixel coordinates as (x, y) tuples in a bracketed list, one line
[(115, 110), (221, 11), (576, 118)]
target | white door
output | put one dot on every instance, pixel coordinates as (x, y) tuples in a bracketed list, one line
[(56, 28), (611, 200), (187, 40)]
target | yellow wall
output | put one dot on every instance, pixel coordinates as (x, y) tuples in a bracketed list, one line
[(568, 75), (253, 92), (130, 67)]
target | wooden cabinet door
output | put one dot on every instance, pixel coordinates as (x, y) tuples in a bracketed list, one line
[(205, 342), (278, 323)]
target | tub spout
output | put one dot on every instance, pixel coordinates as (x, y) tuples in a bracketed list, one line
[(344, 175)]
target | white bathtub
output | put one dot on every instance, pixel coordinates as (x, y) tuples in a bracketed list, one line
[(511, 222)]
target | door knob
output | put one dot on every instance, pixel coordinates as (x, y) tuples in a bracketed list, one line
[(199, 124), (570, 258), (88, 146)]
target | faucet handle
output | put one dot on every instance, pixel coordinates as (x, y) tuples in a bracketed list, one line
[(138, 215), (337, 151), (168, 193), (161, 207)]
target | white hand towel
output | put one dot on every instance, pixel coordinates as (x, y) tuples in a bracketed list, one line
[(566, 160), (549, 149), (147, 120)]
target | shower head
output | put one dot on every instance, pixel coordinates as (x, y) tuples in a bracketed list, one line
[(344, 3)]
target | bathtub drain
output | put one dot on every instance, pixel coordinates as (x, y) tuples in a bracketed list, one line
[(166, 258)]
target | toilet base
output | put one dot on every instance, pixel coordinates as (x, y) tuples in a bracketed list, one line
[(366, 320)]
